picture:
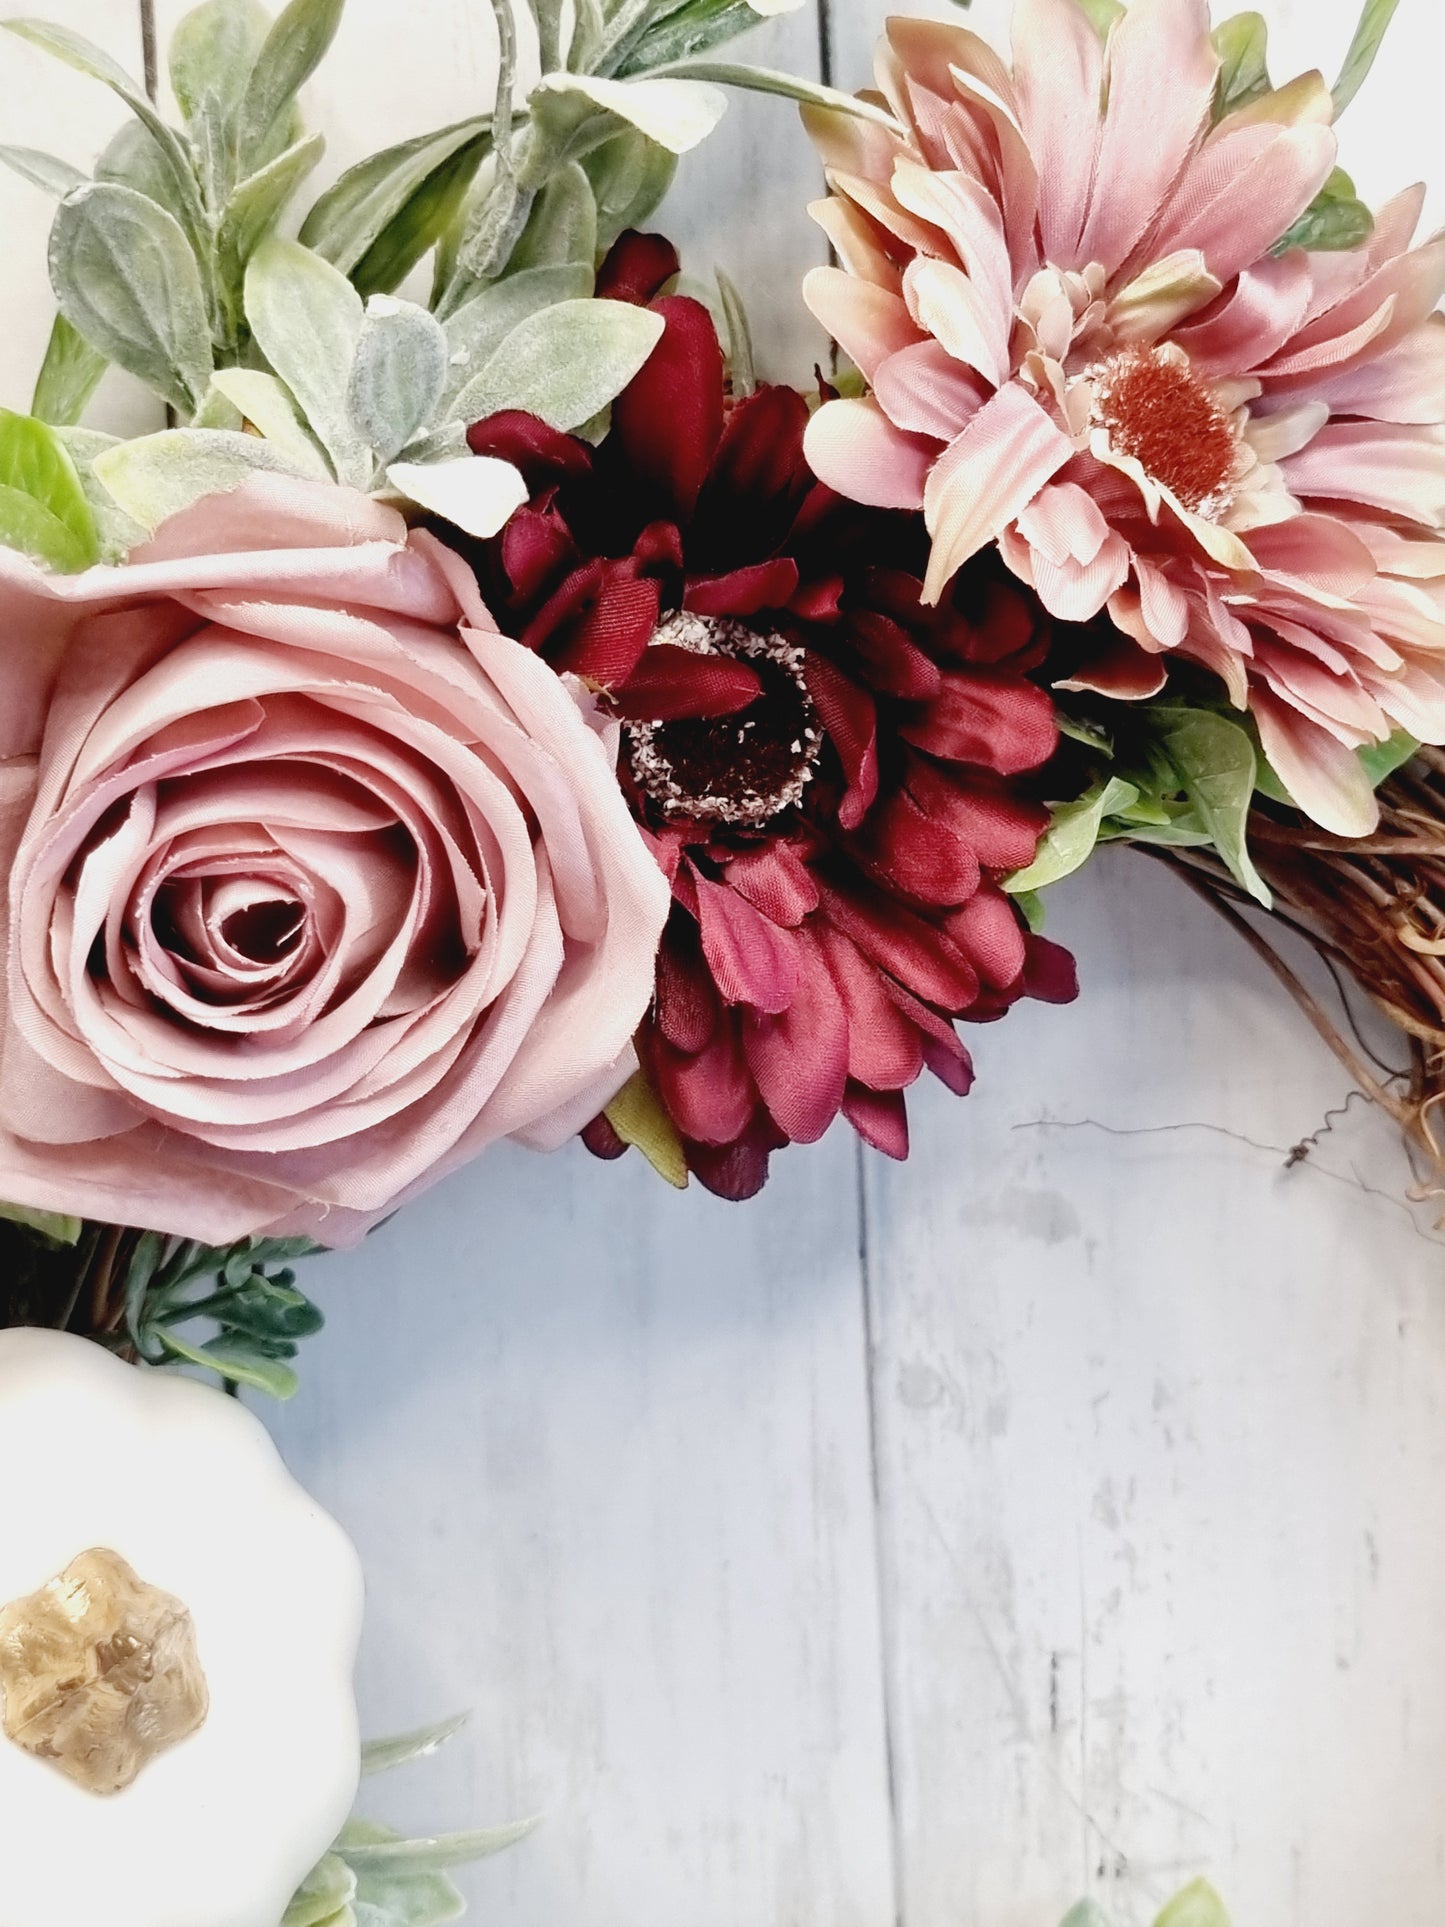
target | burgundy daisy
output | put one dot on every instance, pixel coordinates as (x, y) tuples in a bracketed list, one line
[(827, 768)]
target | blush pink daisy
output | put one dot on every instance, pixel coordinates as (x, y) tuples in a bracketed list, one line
[(1063, 285)]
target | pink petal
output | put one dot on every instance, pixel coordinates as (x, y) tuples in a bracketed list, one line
[(1161, 73), (986, 478), (925, 391), (952, 308), (1323, 775), (1399, 470), (1406, 384), (857, 451), (1242, 191), (868, 322), (1058, 74), (1266, 307)]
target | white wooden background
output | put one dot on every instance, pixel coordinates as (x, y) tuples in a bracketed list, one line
[(929, 1545)]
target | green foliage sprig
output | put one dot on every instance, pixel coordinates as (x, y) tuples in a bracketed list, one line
[(376, 1878)]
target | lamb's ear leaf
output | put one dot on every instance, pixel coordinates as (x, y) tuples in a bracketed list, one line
[(269, 406), (78, 52), (257, 204), (477, 493), (126, 279), (1364, 50), (289, 55), (385, 1756), (351, 216), (478, 328), (630, 176), (306, 318), (324, 1896), (565, 363), (562, 226), (157, 476), (422, 222), (46, 171), (397, 376), (69, 376)]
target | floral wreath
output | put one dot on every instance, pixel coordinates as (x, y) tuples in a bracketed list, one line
[(500, 715)]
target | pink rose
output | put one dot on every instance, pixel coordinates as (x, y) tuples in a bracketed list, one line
[(318, 884)]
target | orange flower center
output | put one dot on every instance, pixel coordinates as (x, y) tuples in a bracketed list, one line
[(1155, 408)]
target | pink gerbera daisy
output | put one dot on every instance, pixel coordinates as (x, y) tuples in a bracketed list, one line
[(1062, 281)]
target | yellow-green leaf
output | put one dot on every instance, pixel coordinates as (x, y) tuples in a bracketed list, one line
[(637, 1116)]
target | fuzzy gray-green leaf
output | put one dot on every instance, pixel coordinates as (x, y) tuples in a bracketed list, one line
[(306, 318), (69, 376), (290, 54), (565, 363), (630, 177), (158, 476), (478, 329), (45, 171), (126, 279), (352, 215), (258, 203), (562, 226), (385, 1756), (397, 376)]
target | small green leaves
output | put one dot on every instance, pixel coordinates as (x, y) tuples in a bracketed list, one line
[(1216, 765), (566, 363), (1073, 836), (1364, 49), (261, 1316), (1102, 14), (1336, 220), (1198, 1906), (398, 375), (290, 54), (306, 318), (1381, 760), (1243, 48), (43, 510), (49, 1224), (127, 281), (236, 1365)]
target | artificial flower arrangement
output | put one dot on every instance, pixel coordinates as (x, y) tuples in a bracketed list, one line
[(497, 714)]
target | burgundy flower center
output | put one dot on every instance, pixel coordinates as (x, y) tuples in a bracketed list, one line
[(1153, 406), (743, 769)]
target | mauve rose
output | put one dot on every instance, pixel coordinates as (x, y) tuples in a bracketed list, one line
[(318, 884)]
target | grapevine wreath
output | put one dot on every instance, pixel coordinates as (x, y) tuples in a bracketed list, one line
[(489, 711)]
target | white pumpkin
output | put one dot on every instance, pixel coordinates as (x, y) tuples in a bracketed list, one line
[(185, 1485)]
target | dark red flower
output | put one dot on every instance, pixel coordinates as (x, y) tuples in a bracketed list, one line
[(826, 767)]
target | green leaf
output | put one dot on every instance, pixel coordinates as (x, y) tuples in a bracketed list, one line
[(50, 1224), (258, 203), (36, 465), (324, 1893), (1243, 48), (352, 216), (45, 171), (1335, 221), (1072, 836), (398, 374), (127, 281), (69, 376), (478, 329), (384, 1756), (638, 1117), (1381, 760), (306, 318), (1102, 14), (630, 177), (1088, 1913), (1374, 25), (1217, 768), (290, 54), (157, 476), (421, 224), (566, 363), (367, 1848), (133, 159), (691, 28), (268, 405), (742, 363), (1197, 1906), (562, 226), (236, 1363), (78, 52), (763, 80), (212, 52)]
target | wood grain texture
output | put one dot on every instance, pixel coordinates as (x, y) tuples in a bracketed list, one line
[(1156, 1428)]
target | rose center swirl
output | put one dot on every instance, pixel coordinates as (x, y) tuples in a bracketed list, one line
[(744, 769), (1154, 407)]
